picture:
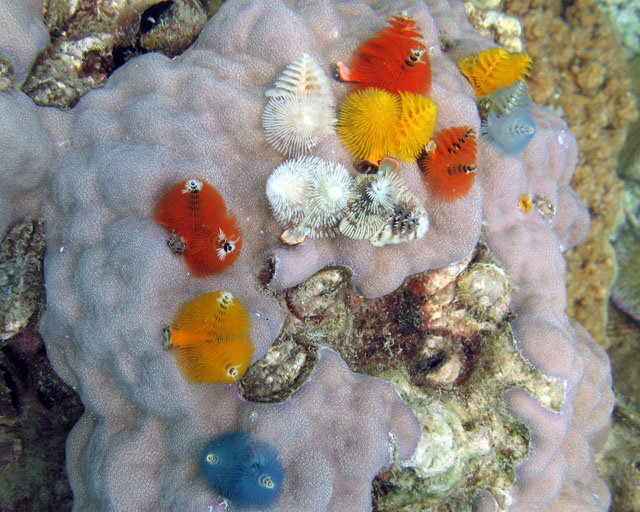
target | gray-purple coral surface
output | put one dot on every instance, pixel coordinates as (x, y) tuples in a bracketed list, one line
[(113, 285)]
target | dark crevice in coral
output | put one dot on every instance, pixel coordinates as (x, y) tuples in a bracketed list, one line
[(471, 348), (121, 55), (11, 385), (32, 436), (564, 6), (19, 368), (429, 365), (267, 273), (96, 64), (153, 16), (90, 43)]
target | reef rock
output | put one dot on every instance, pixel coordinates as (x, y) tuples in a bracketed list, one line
[(113, 285)]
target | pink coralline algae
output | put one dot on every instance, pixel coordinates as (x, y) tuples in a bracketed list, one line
[(96, 173)]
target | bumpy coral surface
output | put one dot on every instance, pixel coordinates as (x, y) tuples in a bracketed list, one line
[(579, 70), (113, 285)]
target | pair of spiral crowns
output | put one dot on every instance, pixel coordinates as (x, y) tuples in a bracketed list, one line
[(300, 111), (202, 227), (388, 114), (210, 336), (247, 472)]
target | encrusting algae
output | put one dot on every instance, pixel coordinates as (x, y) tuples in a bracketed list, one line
[(444, 340)]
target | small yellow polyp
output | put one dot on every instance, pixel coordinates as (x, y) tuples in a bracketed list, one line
[(525, 204)]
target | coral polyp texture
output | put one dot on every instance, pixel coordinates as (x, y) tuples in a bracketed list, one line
[(97, 172)]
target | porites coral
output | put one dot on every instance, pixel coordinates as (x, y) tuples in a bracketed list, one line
[(114, 270)]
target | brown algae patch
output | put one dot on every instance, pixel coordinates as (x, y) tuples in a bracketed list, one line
[(21, 276)]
